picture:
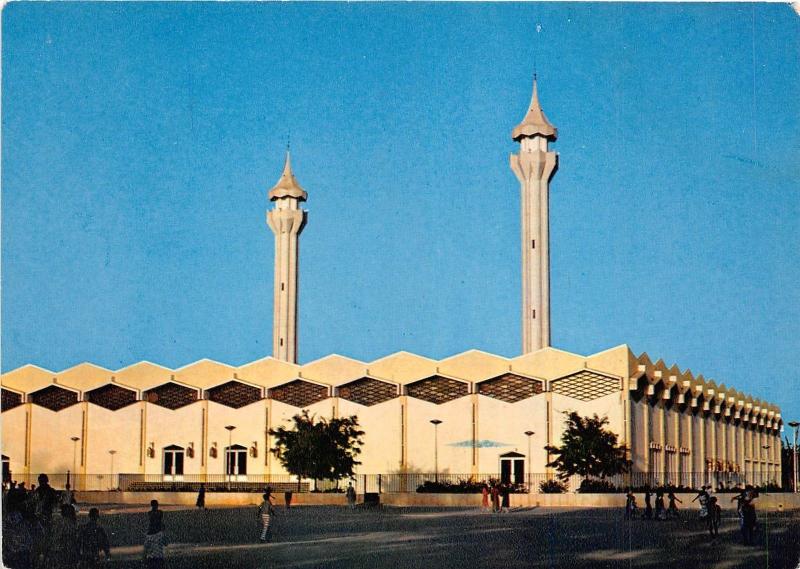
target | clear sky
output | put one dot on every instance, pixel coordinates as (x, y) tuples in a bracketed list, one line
[(139, 141)]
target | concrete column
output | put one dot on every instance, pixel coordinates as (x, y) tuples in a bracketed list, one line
[(648, 468), (534, 166)]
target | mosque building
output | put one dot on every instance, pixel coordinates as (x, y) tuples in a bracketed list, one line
[(473, 413)]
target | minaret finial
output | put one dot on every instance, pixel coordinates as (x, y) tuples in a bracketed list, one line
[(534, 123)]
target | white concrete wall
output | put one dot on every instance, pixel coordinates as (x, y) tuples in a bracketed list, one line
[(381, 423), (14, 433), (506, 423)]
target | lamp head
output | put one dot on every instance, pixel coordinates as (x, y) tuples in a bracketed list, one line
[(436, 421)]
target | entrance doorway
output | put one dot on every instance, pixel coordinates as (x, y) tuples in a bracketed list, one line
[(6, 470), (236, 463), (512, 468), (173, 463)]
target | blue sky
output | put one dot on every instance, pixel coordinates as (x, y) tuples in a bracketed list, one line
[(139, 141)]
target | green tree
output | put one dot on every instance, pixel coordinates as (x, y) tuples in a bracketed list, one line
[(313, 448), (587, 449), (787, 463)]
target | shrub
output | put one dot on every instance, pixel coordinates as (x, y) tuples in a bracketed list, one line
[(460, 487), (552, 487), (595, 486)]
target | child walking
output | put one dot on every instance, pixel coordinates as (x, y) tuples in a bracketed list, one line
[(265, 512)]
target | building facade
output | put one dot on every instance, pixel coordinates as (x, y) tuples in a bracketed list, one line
[(472, 414)]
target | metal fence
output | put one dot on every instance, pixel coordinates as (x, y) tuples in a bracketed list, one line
[(399, 482)]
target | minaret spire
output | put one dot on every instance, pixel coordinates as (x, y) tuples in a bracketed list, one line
[(534, 166), (286, 221)]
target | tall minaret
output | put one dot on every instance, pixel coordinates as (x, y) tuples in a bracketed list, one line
[(286, 221), (534, 166)]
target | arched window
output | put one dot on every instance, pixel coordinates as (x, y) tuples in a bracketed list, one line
[(236, 463), (173, 462)]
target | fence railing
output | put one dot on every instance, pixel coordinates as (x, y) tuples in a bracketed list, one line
[(398, 482)]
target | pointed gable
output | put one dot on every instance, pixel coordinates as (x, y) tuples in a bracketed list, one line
[(334, 370), (474, 365), (402, 367)]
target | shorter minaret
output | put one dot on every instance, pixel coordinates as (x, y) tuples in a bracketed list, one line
[(286, 221), (534, 166)]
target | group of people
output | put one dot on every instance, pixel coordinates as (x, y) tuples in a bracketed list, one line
[(498, 494), (661, 511), (40, 529), (710, 510)]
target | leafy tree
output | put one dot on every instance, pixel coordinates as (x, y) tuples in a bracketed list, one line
[(319, 449), (587, 449), (787, 463)]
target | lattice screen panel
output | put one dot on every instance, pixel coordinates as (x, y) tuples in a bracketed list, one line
[(10, 399), (54, 398), (234, 394), (171, 395), (585, 385), (437, 389), (367, 391), (111, 397), (510, 388), (299, 393)]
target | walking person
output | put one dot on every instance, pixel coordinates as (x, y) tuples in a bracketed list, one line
[(93, 542), (265, 513), (648, 505), (485, 497), (748, 517), (155, 542), (201, 498), (661, 511), (702, 496), (495, 499), (673, 507), (287, 497), (351, 496), (714, 517)]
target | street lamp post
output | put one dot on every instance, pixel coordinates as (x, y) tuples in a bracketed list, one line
[(111, 480), (794, 425), (436, 423), (229, 455), (529, 434), (74, 460)]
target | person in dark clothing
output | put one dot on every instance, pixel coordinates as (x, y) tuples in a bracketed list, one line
[(287, 496), (505, 493), (673, 507), (155, 518), (45, 499), (93, 541), (630, 505), (714, 516), (17, 539), (661, 511), (201, 498), (748, 517), (648, 505)]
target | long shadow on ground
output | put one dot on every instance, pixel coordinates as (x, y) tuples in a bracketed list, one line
[(332, 537)]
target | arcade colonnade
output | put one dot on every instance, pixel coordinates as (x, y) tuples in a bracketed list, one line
[(153, 421)]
